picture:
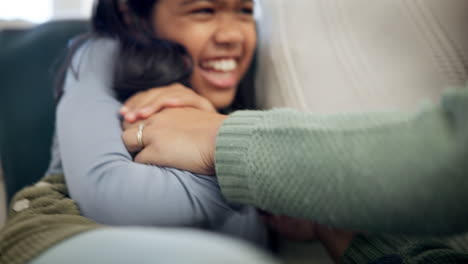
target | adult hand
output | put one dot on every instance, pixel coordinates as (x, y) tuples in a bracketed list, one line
[(182, 138), (143, 104)]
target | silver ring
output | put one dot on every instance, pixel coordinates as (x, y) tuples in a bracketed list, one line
[(140, 134)]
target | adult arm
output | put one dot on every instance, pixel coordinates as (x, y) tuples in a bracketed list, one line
[(347, 247), (379, 249), (384, 172), (102, 177)]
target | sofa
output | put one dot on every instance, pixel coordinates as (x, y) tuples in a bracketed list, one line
[(29, 60)]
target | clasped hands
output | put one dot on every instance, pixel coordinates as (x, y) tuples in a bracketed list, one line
[(180, 129)]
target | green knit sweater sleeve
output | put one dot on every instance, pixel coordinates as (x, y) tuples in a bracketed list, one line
[(384, 171), (382, 249)]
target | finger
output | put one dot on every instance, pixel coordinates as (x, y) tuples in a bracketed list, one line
[(150, 105), (128, 104), (195, 101), (130, 139), (175, 100), (145, 100), (188, 98), (139, 99), (149, 155), (132, 114), (127, 108), (206, 105), (123, 110), (151, 95), (136, 102), (130, 117), (126, 125), (156, 104), (144, 157), (156, 99)]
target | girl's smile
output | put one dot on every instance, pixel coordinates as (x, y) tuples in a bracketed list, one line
[(220, 37), (221, 72)]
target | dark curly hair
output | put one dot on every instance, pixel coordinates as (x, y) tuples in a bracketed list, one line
[(144, 61)]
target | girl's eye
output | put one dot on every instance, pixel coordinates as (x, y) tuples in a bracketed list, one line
[(205, 11), (247, 11)]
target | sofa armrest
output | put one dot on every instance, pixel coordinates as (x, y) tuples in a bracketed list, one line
[(29, 59)]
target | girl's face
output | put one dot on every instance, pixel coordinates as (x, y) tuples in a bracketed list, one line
[(218, 34)]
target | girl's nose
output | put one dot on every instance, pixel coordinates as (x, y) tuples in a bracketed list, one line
[(229, 35)]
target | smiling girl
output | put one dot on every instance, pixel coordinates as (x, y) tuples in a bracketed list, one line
[(195, 51), (216, 38), (207, 45)]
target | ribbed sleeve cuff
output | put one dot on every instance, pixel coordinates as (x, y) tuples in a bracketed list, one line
[(381, 249), (232, 159), (374, 249)]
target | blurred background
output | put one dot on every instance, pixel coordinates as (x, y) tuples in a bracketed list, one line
[(27, 13)]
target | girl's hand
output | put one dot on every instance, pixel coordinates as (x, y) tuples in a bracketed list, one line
[(181, 138), (144, 104)]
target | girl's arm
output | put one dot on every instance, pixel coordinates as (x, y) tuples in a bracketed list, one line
[(102, 177)]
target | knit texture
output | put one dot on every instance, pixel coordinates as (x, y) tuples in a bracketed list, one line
[(392, 172), (40, 217), (383, 249)]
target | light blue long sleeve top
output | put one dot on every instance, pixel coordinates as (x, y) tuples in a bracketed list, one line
[(102, 177)]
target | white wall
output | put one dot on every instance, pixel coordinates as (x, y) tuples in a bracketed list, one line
[(71, 8), (34, 11), (38, 11)]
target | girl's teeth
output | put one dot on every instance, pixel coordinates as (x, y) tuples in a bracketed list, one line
[(221, 65)]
